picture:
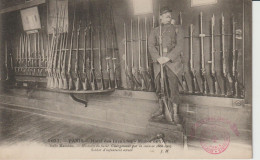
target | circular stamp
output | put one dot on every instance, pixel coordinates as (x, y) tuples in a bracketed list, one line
[(214, 139), (213, 134)]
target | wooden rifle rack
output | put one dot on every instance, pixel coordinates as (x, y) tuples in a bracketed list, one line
[(8, 84)]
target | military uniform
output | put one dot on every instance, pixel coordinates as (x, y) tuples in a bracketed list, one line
[(172, 46)]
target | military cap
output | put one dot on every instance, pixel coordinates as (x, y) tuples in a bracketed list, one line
[(165, 10)]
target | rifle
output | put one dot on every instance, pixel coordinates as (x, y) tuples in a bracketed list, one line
[(148, 68), (133, 70), (22, 53), (61, 56), (108, 71), (29, 54), (113, 48), (128, 77), (50, 60), (192, 67), (216, 87), (86, 82), (11, 62), (180, 18), (63, 69), (114, 65), (153, 21), (54, 80), (163, 99), (54, 71), (140, 69), (6, 62), (203, 69), (107, 62), (34, 54), (19, 57), (45, 52), (55, 68), (62, 44), (26, 54), (38, 55), (184, 81), (93, 81), (234, 59), (226, 74), (71, 84), (99, 56), (42, 53), (25, 50), (78, 81), (100, 64)]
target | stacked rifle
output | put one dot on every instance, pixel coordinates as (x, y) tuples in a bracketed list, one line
[(231, 86), (31, 57), (8, 63), (72, 57), (139, 76)]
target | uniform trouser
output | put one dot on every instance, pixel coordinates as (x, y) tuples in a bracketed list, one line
[(171, 87)]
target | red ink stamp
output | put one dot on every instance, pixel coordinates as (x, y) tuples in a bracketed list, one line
[(214, 139), (213, 134)]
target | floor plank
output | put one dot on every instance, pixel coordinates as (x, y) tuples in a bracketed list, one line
[(21, 126)]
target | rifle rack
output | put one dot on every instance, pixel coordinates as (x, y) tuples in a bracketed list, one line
[(37, 86), (73, 92)]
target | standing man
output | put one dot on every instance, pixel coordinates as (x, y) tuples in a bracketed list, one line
[(172, 45)]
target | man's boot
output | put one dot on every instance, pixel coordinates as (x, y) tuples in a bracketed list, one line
[(158, 115)]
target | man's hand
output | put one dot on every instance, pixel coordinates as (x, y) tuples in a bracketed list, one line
[(163, 60)]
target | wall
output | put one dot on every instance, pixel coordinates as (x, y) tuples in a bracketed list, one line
[(123, 12), (190, 15), (201, 113)]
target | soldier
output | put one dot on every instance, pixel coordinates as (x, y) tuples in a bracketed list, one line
[(172, 45)]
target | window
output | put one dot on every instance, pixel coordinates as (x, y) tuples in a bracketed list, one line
[(202, 2), (142, 7)]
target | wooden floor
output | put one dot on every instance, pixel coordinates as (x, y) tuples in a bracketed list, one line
[(20, 126)]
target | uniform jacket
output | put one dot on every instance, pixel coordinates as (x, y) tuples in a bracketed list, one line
[(172, 44)]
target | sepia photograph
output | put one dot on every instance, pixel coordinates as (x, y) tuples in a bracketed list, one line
[(92, 79)]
